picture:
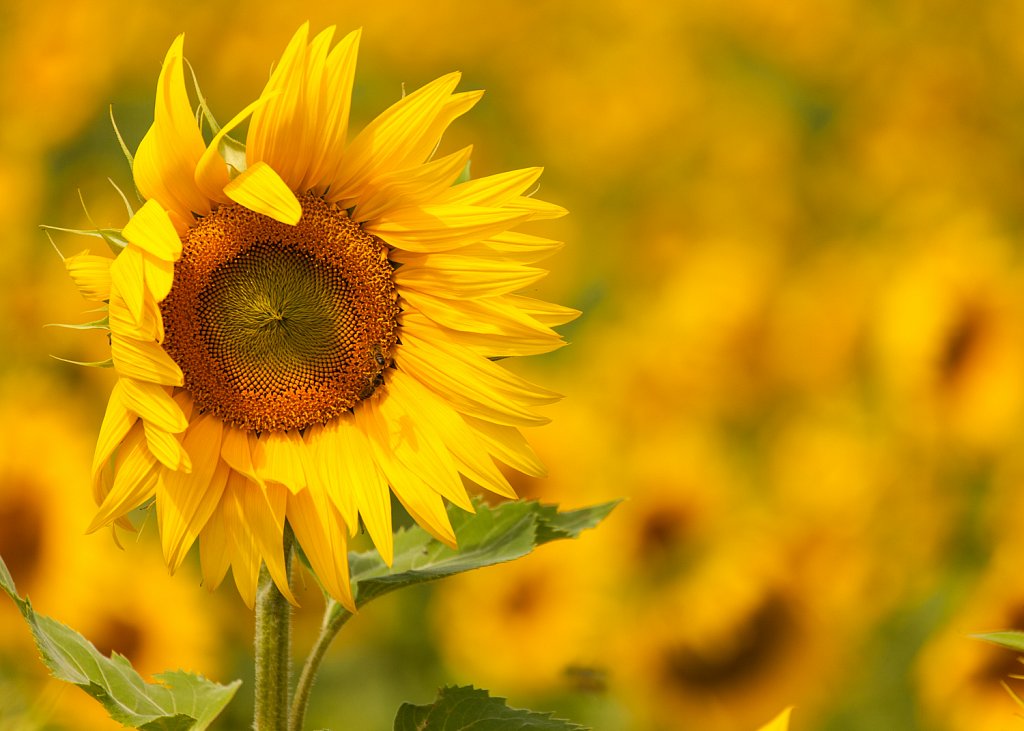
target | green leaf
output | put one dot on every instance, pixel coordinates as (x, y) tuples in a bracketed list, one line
[(554, 526), (491, 535), (179, 702), (465, 708), (1011, 639)]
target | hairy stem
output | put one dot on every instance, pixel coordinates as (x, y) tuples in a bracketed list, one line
[(335, 617), (273, 649)]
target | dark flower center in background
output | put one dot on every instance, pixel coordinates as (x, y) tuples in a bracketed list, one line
[(116, 634), (21, 529), (764, 631)]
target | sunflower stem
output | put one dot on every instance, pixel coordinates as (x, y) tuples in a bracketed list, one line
[(335, 617), (273, 649)]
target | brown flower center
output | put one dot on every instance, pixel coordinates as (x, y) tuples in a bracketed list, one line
[(280, 327)]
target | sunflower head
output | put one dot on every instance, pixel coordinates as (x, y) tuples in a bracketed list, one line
[(303, 328)]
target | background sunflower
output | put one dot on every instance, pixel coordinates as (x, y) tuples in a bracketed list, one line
[(796, 236)]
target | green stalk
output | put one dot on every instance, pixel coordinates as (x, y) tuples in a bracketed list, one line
[(335, 617), (273, 649)]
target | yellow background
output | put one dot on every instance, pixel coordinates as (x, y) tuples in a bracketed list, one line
[(796, 237)]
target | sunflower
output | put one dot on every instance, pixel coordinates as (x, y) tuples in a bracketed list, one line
[(302, 325)]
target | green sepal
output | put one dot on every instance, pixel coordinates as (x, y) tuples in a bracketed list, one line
[(108, 363), (120, 140), (1010, 639), (464, 176), (131, 211), (102, 324), (203, 111), (233, 153), (180, 701), (112, 236), (466, 708), (230, 149)]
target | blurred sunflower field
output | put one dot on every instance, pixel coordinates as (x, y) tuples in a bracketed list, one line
[(796, 236)]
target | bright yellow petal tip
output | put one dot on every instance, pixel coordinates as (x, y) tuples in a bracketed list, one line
[(262, 190), (780, 723)]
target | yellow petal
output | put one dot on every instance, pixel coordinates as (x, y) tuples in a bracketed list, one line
[(427, 509), (511, 246), (372, 496), (352, 478), (331, 128), (260, 189), (496, 315), (134, 481), (395, 140), (117, 421), (506, 190), (278, 457), (404, 188), (212, 170), (184, 401), (276, 132), (507, 445), (488, 375), (144, 361), (159, 276), (454, 107), (501, 346), (255, 523), (127, 279), (185, 500), (215, 547), (413, 440), (151, 327), (493, 190), (432, 228), (329, 471), (167, 448), (471, 456), (471, 383), (152, 231), (165, 162), (497, 338), (539, 210), (419, 498), (237, 448), (91, 274), (545, 313), (465, 277), (781, 722), (321, 533), (153, 403), (264, 511), (242, 548)]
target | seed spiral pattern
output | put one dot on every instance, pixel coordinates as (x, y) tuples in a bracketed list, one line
[(279, 327)]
